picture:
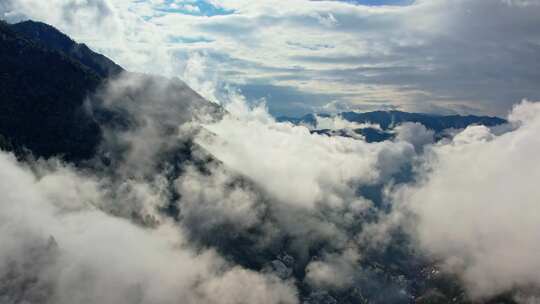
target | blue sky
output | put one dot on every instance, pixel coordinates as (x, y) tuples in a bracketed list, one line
[(301, 56), (207, 8), (379, 2), (196, 8)]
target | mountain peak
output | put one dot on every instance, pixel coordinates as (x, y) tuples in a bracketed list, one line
[(54, 39), (42, 93)]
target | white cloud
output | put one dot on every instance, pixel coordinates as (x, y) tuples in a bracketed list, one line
[(156, 107), (338, 123), (476, 205), (416, 134), (99, 234), (335, 271), (58, 246), (295, 166), (399, 55), (329, 20), (217, 199)]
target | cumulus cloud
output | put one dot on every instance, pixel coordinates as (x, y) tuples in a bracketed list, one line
[(189, 201), (287, 190), (58, 246), (416, 134), (102, 233), (143, 119), (218, 199), (294, 165), (334, 270), (339, 123), (475, 207)]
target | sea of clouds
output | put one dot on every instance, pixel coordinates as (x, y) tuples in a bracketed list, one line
[(191, 202)]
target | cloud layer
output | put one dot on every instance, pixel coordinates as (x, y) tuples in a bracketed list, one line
[(187, 201), (59, 247), (436, 56), (476, 207)]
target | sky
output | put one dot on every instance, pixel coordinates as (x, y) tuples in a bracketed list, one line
[(331, 208), (300, 56)]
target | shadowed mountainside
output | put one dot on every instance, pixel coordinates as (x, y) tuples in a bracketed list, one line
[(56, 40), (42, 95), (50, 93)]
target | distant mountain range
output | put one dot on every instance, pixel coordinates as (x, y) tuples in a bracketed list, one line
[(387, 120)]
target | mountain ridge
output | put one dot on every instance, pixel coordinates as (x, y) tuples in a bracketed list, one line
[(42, 99), (389, 119), (52, 38), (52, 101)]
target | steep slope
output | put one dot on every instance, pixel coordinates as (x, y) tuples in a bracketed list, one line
[(56, 40), (57, 96), (42, 92)]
